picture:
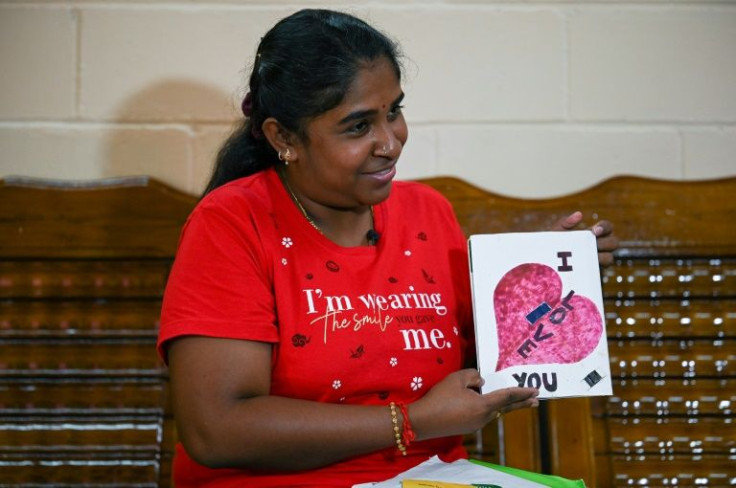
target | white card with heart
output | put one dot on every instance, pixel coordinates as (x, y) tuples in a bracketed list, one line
[(538, 311)]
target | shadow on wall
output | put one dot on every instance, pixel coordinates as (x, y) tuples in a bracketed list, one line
[(171, 131)]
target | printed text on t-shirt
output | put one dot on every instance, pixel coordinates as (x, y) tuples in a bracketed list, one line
[(330, 308)]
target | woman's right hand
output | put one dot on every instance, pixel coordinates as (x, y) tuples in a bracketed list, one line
[(454, 406)]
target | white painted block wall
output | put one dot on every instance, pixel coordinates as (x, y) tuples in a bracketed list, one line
[(529, 99)]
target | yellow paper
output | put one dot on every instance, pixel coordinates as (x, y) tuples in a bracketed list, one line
[(431, 484)]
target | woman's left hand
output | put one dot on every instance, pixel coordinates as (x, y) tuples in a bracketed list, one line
[(605, 239)]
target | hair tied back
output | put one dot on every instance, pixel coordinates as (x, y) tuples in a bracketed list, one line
[(247, 105)]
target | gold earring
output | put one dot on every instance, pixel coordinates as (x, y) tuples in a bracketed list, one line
[(285, 157)]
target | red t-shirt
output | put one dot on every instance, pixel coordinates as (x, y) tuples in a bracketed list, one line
[(362, 325)]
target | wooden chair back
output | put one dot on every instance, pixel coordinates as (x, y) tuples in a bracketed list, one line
[(670, 305), (83, 395)]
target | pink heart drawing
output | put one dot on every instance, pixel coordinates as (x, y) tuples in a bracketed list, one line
[(537, 325)]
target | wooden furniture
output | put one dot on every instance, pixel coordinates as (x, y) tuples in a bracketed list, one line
[(83, 396), (670, 303)]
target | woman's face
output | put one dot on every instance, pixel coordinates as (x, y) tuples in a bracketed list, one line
[(349, 157)]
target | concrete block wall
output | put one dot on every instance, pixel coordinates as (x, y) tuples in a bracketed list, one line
[(529, 99)]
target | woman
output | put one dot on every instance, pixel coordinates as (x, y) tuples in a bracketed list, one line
[(316, 317)]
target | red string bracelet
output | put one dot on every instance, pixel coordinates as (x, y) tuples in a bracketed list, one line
[(407, 433)]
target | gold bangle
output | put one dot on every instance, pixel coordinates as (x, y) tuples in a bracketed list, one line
[(397, 430)]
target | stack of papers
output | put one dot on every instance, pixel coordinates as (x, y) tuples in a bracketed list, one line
[(434, 472)]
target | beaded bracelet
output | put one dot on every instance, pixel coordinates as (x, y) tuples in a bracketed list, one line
[(397, 431)]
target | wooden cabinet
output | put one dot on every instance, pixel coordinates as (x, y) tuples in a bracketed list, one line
[(670, 303), (83, 395)]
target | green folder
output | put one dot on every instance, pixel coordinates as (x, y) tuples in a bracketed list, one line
[(543, 479)]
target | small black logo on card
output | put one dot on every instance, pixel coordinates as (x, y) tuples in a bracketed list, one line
[(593, 378)]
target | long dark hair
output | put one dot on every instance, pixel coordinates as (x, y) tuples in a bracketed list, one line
[(303, 67)]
